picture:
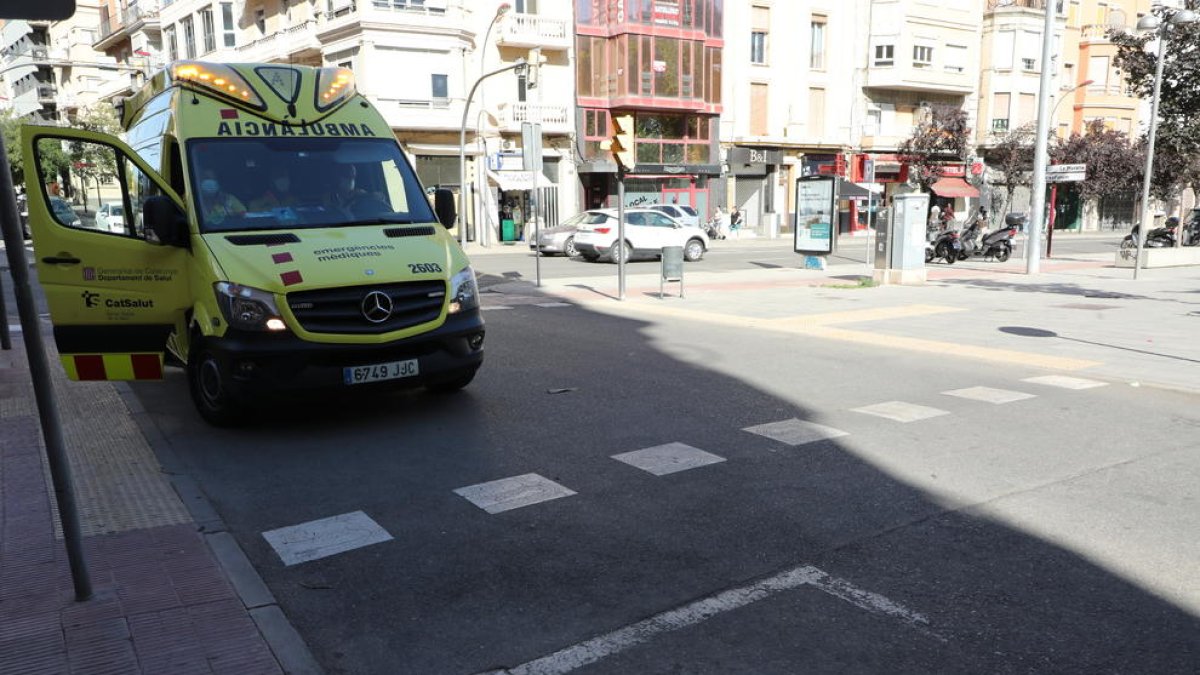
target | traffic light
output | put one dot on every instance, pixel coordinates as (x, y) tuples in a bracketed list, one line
[(621, 143)]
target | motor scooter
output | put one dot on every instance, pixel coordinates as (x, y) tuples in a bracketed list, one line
[(946, 245), (1159, 237), (978, 242)]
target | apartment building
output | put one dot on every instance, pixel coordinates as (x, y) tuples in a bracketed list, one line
[(661, 61), (788, 86), (130, 33), (920, 54), (1011, 66), (208, 29), (1089, 56), (30, 84)]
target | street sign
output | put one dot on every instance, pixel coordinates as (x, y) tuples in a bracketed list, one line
[(1066, 173), (531, 146)]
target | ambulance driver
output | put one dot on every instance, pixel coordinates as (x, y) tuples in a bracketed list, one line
[(216, 205)]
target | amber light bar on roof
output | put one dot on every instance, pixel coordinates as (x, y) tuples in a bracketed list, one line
[(334, 85), (218, 78)]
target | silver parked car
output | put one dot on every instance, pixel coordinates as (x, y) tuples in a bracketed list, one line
[(561, 239), (681, 212)]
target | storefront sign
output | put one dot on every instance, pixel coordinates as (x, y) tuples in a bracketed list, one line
[(739, 155), (666, 12), (816, 215), (677, 169)]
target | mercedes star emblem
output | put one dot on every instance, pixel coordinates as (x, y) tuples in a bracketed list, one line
[(377, 307)]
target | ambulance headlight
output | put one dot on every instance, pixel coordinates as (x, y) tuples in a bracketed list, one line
[(247, 308), (464, 293)]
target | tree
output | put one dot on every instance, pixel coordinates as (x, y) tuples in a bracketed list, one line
[(92, 161), (1114, 162), (54, 161), (942, 136), (1178, 138), (1013, 156)]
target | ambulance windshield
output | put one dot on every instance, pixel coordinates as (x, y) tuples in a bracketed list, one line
[(243, 184)]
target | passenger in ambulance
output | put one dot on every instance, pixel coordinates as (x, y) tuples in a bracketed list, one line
[(278, 193), (216, 204)]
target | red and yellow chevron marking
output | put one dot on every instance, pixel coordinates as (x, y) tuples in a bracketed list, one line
[(113, 366)]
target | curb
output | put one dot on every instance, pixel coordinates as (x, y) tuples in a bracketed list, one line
[(284, 641)]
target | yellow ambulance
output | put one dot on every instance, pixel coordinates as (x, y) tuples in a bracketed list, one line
[(277, 239)]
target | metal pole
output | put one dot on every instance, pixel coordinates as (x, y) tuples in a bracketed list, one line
[(1144, 227), (5, 335), (1034, 238), (870, 220), (1053, 218), (620, 233), (43, 390), (462, 152)]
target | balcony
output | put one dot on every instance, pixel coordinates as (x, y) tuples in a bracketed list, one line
[(532, 30), (994, 5), (1097, 33), (931, 80), (430, 114), (46, 92), (131, 20), (282, 46), (555, 119)]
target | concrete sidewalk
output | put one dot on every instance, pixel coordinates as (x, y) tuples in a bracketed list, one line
[(1079, 314), (170, 596)]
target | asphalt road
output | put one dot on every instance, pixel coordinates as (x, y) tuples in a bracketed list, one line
[(929, 546), (518, 262)]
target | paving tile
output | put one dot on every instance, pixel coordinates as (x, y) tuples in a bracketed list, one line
[(34, 653), (666, 459), (114, 657), (989, 395), (325, 537), (900, 411), (1065, 382), (516, 492), (103, 605), (796, 432)]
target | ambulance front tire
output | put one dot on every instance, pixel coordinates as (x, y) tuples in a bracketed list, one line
[(208, 383)]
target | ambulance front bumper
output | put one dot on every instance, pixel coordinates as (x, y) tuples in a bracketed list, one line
[(262, 363)]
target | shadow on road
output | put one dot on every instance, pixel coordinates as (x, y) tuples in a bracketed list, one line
[(461, 591)]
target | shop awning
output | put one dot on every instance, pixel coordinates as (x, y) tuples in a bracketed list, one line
[(519, 180), (954, 187), (848, 190)]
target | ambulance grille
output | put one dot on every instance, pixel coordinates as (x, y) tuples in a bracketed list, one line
[(340, 310)]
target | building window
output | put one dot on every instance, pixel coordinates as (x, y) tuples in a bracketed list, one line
[(189, 37), (956, 58), (885, 55), (260, 20), (758, 109), (816, 112), (673, 139), (227, 26), (874, 123), (206, 24), (922, 56), (526, 6), (172, 43), (1000, 111), (1029, 64), (595, 131), (1000, 124), (758, 47), (816, 54), (439, 86)]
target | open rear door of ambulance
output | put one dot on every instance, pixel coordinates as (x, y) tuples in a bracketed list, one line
[(115, 295)]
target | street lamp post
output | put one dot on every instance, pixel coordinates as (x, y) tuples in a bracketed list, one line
[(1152, 23), (1041, 144), (462, 150), (501, 10)]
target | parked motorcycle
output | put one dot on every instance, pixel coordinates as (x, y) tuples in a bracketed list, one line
[(1191, 231), (713, 228), (1159, 237), (946, 246), (978, 242)]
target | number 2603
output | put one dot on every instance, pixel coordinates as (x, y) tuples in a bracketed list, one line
[(424, 268)]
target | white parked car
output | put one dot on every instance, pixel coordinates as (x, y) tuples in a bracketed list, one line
[(646, 233), (111, 217), (681, 212)]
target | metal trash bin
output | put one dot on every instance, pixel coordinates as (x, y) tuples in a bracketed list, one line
[(672, 268)]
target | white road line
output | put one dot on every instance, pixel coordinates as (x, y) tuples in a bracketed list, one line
[(507, 494), (796, 432), (494, 307), (14, 328), (609, 644), (670, 458), (322, 538), (1064, 382), (989, 395), (552, 304), (900, 411)]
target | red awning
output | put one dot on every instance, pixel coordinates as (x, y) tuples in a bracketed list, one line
[(954, 187)]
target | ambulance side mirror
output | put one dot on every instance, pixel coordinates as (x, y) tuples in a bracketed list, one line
[(443, 206), (164, 221)]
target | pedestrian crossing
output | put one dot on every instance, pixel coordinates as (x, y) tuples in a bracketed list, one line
[(300, 543)]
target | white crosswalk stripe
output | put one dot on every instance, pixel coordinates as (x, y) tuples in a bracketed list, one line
[(507, 494), (1065, 382), (796, 432), (322, 538), (989, 395), (670, 458), (900, 411)]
